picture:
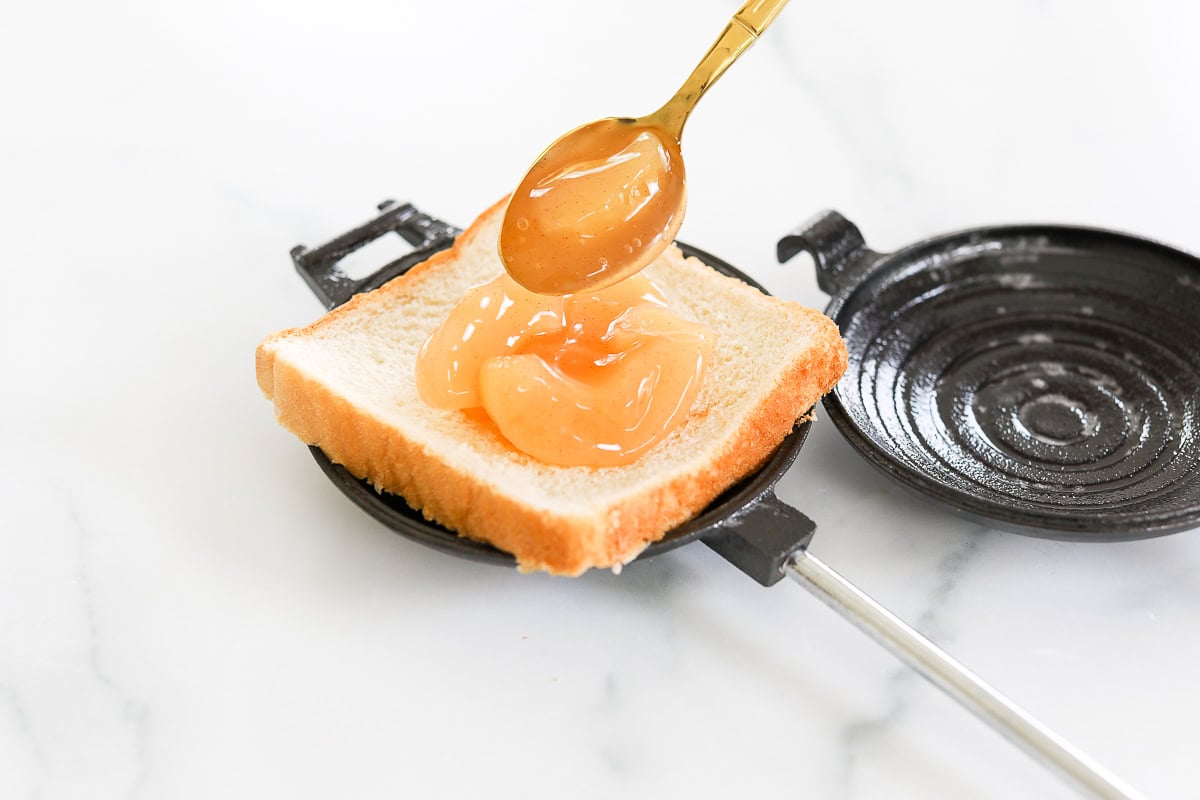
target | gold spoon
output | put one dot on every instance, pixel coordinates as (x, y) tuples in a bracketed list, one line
[(605, 199)]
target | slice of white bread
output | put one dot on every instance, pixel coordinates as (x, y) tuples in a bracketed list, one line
[(346, 383)]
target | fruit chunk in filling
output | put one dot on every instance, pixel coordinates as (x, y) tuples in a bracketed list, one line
[(590, 379)]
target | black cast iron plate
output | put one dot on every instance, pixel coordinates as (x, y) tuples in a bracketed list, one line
[(1044, 378), (394, 512)]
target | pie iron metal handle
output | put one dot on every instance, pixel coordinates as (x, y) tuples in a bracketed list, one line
[(837, 247), (768, 539), (321, 269)]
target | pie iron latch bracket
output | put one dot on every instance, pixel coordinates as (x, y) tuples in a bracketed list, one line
[(837, 247), (763, 537), (332, 286)]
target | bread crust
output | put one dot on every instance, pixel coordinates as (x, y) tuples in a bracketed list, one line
[(557, 541)]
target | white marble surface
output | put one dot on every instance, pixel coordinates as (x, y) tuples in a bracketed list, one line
[(188, 609)]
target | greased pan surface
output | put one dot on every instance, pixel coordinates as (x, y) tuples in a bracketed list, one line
[(1045, 379)]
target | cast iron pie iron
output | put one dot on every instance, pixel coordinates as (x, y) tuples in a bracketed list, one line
[(768, 539), (1043, 379)]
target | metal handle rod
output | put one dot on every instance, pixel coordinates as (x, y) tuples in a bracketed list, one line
[(956, 680)]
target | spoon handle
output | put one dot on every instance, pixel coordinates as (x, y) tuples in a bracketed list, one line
[(741, 32)]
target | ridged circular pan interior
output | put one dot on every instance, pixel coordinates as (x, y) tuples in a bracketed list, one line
[(1045, 378)]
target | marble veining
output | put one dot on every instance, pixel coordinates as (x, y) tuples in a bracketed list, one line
[(129, 721), (23, 753), (188, 610), (77, 725), (858, 736)]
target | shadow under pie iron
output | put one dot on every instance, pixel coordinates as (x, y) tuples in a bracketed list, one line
[(1043, 379)]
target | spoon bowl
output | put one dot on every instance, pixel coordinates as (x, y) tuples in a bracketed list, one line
[(601, 203), (607, 198)]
